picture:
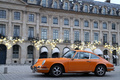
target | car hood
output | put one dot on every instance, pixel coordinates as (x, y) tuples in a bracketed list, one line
[(53, 59)]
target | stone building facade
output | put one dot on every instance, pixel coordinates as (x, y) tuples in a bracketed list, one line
[(70, 20)]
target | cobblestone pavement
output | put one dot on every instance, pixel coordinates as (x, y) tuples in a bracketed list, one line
[(23, 72)]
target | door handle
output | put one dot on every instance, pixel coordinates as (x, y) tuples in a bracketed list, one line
[(88, 61)]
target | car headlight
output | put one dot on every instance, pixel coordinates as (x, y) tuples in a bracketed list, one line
[(43, 62)]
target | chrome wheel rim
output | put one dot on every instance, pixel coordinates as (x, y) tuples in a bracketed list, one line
[(56, 70), (100, 70)]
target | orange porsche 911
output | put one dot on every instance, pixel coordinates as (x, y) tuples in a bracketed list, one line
[(75, 61)]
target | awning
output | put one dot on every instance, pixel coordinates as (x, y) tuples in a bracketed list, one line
[(44, 49), (98, 52), (88, 49), (115, 56), (56, 50), (65, 50)]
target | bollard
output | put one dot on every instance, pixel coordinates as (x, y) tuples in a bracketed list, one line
[(5, 70)]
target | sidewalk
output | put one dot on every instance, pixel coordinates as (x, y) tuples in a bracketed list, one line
[(23, 72)]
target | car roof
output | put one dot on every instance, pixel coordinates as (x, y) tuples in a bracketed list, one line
[(85, 51)]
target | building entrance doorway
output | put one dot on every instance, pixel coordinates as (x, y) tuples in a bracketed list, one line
[(3, 51)]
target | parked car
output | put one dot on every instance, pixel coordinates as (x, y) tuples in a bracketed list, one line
[(74, 61)]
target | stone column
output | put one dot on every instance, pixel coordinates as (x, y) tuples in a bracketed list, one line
[(118, 25), (10, 24), (82, 32), (50, 23), (9, 56), (24, 36), (61, 24), (110, 38), (71, 32), (101, 37), (23, 53), (37, 27), (91, 32)]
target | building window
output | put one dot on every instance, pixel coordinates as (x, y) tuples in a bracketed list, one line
[(95, 25), (76, 23), (113, 26), (104, 10), (44, 34), (86, 8), (31, 17), (104, 38), (15, 51), (76, 35), (16, 15), (3, 14), (30, 52), (112, 12), (66, 5), (86, 36), (55, 5), (55, 20), (113, 38), (31, 32), (44, 3), (104, 25), (76, 7), (86, 24), (55, 34), (31, 0), (16, 31), (66, 22), (2, 30), (44, 19), (66, 34), (96, 36), (95, 10)]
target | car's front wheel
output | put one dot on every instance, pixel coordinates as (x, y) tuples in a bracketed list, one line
[(56, 70), (100, 70)]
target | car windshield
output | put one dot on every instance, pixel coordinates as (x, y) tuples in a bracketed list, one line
[(69, 54)]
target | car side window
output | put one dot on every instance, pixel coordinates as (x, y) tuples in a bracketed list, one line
[(82, 55), (94, 56)]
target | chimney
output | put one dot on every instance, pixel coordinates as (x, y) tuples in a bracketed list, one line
[(107, 1)]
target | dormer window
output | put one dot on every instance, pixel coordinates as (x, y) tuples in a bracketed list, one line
[(95, 10), (104, 10), (55, 4), (32, 1), (76, 7), (66, 5), (44, 3), (112, 12), (86, 8)]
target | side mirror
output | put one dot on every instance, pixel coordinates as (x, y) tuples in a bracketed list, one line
[(72, 58)]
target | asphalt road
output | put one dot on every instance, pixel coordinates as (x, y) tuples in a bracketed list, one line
[(24, 73)]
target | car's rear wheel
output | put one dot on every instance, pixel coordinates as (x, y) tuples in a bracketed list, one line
[(100, 70), (56, 70)]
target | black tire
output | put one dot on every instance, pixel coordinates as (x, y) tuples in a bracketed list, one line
[(100, 70), (56, 70)]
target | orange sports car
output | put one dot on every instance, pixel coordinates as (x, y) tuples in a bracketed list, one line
[(74, 61)]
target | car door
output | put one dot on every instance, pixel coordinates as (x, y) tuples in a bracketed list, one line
[(80, 63)]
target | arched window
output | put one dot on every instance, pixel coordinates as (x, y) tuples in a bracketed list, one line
[(66, 5), (104, 10), (44, 3), (55, 4), (86, 24), (104, 25), (66, 22), (95, 24), (76, 7), (86, 8), (76, 22), (30, 51), (16, 51), (44, 19), (95, 10)]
